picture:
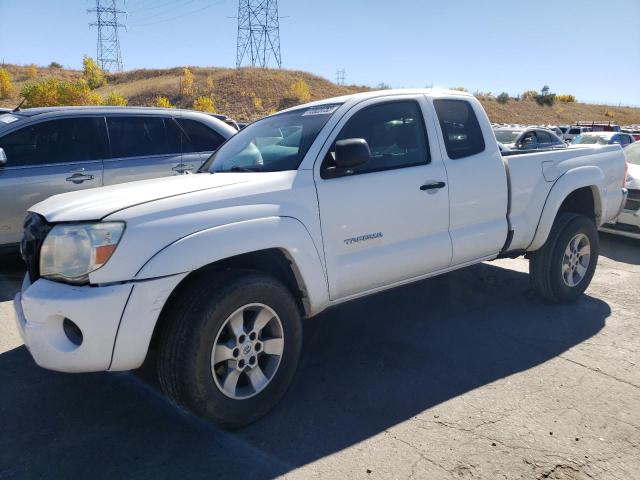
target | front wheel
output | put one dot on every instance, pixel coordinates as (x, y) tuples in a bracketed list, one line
[(230, 348), (563, 268)]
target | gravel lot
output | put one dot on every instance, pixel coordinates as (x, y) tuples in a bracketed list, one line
[(469, 375)]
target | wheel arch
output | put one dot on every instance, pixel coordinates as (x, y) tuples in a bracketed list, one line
[(577, 191), (275, 262)]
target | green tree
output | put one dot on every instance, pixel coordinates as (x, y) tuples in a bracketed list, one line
[(6, 87), (204, 104), (114, 99), (93, 74)]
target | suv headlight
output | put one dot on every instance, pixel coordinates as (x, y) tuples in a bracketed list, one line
[(72, 251)]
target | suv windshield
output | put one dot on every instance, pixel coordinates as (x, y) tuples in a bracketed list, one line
[(507, 136), (273, 144), (591, 140)]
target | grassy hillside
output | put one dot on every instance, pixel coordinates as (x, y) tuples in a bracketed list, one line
[(249, 93)]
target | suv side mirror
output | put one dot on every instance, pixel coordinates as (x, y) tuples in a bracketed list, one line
[(3, 157), (352, 152)]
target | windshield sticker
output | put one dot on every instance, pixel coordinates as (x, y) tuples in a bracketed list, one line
[(321, 110), (7, 118)]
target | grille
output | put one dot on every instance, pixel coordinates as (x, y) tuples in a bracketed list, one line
[(35, 231), (633, 200)]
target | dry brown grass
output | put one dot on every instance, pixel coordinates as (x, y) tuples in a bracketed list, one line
[(528, 111), (235, 92)]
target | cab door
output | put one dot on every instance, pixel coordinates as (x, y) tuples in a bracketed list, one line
[(387, 220), (45, 159), (477, 179)]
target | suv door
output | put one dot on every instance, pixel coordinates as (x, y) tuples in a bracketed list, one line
[(387, 220), (142, 146), (198, 143), (44, 159)]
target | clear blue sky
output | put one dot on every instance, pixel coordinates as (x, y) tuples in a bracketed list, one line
[(588, 48)]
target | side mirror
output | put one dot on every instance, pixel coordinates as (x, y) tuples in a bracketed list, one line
[(3, 157), (352, 152)]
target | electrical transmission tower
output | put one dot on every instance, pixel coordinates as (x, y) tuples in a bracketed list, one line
[(109, 56), (340, 76), (258, 32)]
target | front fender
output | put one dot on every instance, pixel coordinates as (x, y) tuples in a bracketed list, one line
[(580, 177), (211, 245)]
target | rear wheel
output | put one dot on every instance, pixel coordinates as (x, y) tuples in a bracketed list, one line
[(563, 268), (229, 349)]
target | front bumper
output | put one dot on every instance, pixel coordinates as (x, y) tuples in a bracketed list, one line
[(41, 308), (116, 321), (627, 223)]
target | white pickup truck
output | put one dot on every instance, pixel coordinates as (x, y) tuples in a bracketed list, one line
[(300, 211)]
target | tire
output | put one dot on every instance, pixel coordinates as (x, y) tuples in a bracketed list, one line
[(560, 277), (209, 313)]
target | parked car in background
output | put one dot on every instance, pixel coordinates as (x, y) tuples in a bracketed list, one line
[(634, 130), (628, 222), (574, 131), (599, 126), (602, 138), (226, 119), (53, 150), (528, 138)]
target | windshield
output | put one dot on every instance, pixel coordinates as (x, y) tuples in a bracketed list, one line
[(273, 144), (507, 136), (633, 153), (591, 140)]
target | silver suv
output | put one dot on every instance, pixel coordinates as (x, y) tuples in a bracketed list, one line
[(46, 151)]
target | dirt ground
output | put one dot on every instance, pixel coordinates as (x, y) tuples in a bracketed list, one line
[(468, 375)]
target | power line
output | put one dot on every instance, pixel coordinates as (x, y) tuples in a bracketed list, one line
[(341, 76), (108, 56), (175, 17), (258, 33)]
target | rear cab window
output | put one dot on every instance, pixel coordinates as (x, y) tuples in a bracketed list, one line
[(460, 128)]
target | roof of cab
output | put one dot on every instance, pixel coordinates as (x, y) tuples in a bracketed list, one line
[(358, 97)]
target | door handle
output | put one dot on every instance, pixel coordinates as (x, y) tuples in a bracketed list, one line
[(78, 178), (181, 168), (433, 186)]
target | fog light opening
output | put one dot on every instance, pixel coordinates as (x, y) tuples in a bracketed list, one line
[(72, 331)]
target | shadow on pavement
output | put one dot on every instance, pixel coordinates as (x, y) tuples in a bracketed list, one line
[(11, 275), (368, 365), (620, 249)]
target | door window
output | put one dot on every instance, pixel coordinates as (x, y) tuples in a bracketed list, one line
[(543, 137), (199, 137), (460, 128), (528, 140), (141, 136), (395, 134), (56, 141)]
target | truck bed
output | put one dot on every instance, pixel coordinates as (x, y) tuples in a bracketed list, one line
[(528, 190)]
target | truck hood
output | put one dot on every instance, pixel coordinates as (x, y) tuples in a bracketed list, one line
[(97, 203)]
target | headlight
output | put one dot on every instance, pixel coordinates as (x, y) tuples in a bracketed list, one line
[(72, 251)]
